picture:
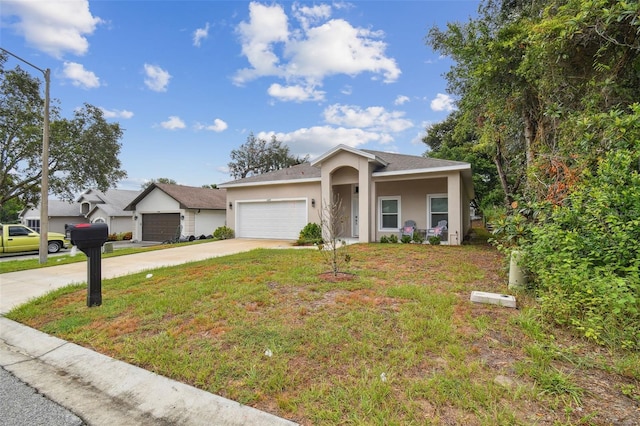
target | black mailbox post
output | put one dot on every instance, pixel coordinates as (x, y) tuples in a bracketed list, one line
[(89, 237)]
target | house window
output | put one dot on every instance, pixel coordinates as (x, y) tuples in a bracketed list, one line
[(99, 220), (84, 208), (389, 216), (437, 209), (34, 224)]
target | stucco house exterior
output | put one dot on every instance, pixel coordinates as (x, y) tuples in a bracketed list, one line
[(163, 211), (379, 191)]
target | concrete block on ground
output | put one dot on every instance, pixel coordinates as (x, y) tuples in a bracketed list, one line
[(493, 299)]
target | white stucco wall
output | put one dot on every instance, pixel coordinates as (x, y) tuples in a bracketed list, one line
[(209, 221)]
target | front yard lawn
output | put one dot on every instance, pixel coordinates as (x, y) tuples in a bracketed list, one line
[(400, 343)]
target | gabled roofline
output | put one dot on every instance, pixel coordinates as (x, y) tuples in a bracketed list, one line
[(132, 205), (342, 147), (270, 182)]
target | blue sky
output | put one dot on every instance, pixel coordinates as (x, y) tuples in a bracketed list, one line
[(189, 80)]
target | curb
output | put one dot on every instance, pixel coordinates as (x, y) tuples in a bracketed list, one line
[(104, 391)]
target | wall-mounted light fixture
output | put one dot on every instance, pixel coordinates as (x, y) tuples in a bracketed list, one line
[(182, 216), (135, 218), (230, 205), (313, 202)]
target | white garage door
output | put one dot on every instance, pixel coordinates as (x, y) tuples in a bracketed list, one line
[(271, 219)]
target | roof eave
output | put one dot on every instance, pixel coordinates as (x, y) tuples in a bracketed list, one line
[(265, 183), (441, 169)]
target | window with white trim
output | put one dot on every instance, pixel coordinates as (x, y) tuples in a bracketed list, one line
[(389, 213), (34, 224), (438, 209)]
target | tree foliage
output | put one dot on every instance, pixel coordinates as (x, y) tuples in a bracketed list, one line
[(257, 156), (445, 143), (549, 90), (159, 180), (526, 72), (83, 150)]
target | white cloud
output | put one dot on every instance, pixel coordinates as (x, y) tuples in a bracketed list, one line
[(157, 78), (319, 139), (267, 25), (308, 15), (401, 100), (173, 123), (200, 34), (116, 113), (443, 102), (336, 47), (79, 76), (217, 126), (306, 55), (372, 118), (295, 93), (53, 26)]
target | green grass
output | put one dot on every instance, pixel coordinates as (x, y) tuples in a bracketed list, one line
[(19, 264), (398, 344)]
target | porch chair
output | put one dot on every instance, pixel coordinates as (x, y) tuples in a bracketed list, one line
[(408, 229), (438, 230)]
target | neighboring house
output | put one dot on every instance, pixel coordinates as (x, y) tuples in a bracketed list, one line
[(60, 213), (379, 191), (108, 207), (163, 211), (92, 206)]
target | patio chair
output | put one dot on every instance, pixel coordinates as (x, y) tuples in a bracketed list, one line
[(408, 229), (438, 230)]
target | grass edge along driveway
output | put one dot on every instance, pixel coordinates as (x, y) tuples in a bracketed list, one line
[(400, 343)]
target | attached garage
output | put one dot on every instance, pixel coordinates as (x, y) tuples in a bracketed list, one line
[(281, 220), (160, 226)]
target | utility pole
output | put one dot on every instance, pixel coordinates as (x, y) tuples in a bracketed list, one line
[(44, 190)]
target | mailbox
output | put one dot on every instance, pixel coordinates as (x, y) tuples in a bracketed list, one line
[(89, 237)]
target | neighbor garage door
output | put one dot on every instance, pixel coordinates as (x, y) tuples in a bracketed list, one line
[(160, 226), (271, 219)]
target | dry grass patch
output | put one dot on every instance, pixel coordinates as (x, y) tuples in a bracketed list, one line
[(399, 343)]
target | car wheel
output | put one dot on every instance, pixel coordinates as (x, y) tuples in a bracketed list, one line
[(54, 246)]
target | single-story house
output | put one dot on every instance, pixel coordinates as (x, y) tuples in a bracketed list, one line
[(59, 212), (378, 190), (108, 207), (92, 206), (163, 211)]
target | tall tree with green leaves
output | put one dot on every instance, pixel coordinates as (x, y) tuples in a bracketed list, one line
[(159, 180), (527, 71), (444, 142), (83, 150), (257, 156)]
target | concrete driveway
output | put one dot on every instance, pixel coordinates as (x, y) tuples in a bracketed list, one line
[(17, 288)]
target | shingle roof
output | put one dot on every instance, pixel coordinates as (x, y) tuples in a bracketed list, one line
[(56, 208), (396, 163), (300, 171), (403, 162), (189, 197), (112, 202)]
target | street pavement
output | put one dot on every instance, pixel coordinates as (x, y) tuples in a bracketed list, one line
[(48, 381)]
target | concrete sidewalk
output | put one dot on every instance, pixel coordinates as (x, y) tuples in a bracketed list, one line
[(100, 389)]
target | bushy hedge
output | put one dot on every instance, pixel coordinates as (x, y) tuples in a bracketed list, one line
[(223, 233), (585, 255), (310, 234)]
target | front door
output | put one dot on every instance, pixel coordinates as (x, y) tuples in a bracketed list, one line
[(355, 209)]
